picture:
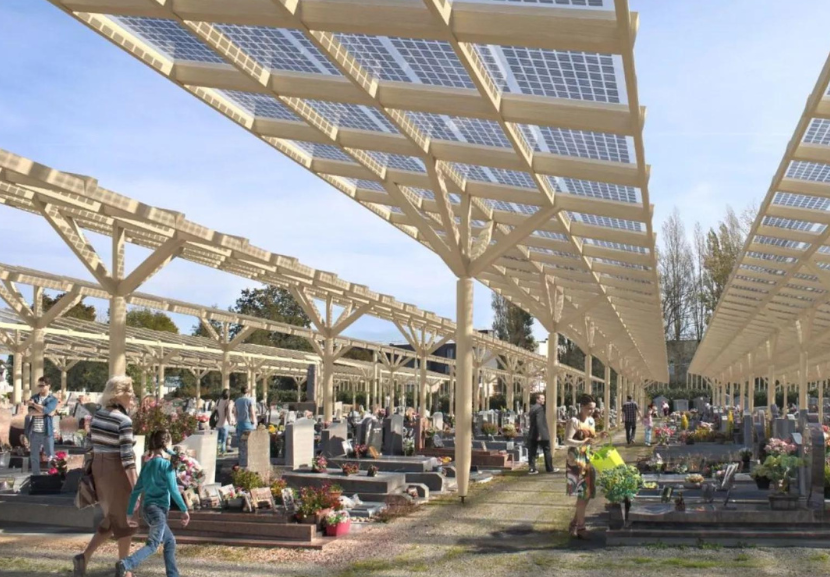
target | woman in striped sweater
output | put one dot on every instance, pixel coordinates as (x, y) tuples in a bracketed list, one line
[(113, 468)]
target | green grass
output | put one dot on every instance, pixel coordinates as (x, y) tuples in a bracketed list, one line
[(819, 557), (39, 566)]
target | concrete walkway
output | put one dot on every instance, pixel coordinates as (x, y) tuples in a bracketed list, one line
[(515, 525)]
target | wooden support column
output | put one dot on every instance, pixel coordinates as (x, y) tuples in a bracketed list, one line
[(464, 375), (552, 385), (17, 377)]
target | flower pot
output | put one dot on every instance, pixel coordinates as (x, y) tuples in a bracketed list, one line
[(339, 529), (45, 484), (691, 485), (762, 482), (618, 514), (783, 502)]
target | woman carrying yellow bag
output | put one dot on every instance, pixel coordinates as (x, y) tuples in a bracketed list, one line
[(580, 474)]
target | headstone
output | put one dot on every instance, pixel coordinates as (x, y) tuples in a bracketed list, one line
[(815, 497), (681, 405), (255, 453), (783, 428), (311, 384), (299, 444), (338, 410), (204, 445), (331, 439), (374, 438), (748, 429), (438, 421), (393, 435)]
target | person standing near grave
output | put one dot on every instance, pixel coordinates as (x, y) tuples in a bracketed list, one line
[(580, 474), (648, 422), (538, 435), (113, 469), (39, 428), (224, 419), (156, 486), (631, 412), (244, 411)]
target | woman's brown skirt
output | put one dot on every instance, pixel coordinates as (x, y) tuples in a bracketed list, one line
[(113, 489)]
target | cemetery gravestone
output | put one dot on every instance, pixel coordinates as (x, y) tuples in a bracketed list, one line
[(681, 405), (393, 435), (747, 430), (332, 438), (438, 421), (815, 497), (204, 446), (255, 453), (299, 444), (375, 437)]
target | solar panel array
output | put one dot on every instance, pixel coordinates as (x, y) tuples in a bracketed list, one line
[(782, 278), (526, 108)]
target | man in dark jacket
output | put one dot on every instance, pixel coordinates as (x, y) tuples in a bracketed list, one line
[(538, 435)]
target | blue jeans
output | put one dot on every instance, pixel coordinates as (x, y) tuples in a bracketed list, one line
[(37, 441), (156, 518), (244, 427), (648, 435), (222, 441)]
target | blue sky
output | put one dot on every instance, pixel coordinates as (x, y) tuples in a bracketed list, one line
[(724, 83)]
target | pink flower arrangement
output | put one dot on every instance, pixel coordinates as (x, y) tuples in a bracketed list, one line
[(203, 418), (780, 447), (189, 472)]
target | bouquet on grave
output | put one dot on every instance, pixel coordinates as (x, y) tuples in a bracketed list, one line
[(780, 447), (189, 472)]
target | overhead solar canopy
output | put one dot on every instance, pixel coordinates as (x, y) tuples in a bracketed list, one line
[(506, 136), (73, 203), (775, 305)]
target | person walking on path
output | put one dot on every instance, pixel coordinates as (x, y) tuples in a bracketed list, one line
[(156, 486), (631, 412), (648, 422), (40, 428), (538, 435), (113, 469), (244, 410), (580, 474), (224, 418)]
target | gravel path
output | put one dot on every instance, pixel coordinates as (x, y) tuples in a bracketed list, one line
[(515, 525)]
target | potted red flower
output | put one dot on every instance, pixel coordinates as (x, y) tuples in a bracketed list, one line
[(338, 523)]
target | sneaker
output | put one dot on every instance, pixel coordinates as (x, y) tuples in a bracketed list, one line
[(554, 470), (79, 566), (533, 472), (120, 570)]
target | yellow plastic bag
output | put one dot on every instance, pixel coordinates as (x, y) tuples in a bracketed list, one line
[(606, 458)]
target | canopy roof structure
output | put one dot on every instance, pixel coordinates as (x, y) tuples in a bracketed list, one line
[(504, 136), (774, 313)]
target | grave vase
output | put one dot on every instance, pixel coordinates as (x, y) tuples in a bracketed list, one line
[(339, 529), (783, 502)]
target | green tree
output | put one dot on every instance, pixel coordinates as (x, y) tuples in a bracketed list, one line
[(275, 304), (153, 320), (512, 324)]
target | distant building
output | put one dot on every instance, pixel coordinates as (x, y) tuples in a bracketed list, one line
[(447, 350)]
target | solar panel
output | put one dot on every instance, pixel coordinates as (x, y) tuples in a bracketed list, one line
[(514, 207), (809, 171), (761, 269), (353, 116), (368, 184), (460, 129), (397, 161), (818, 132), (261, 105), (601, 190), (324, 151), (607, 4), (770, 257), (560, 74), (580, 143), (496, 175), (413, 60), (801, 201), (279, 49), (616, 245), (171, 38), (790, 224), (422, 192), (606, 221)]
